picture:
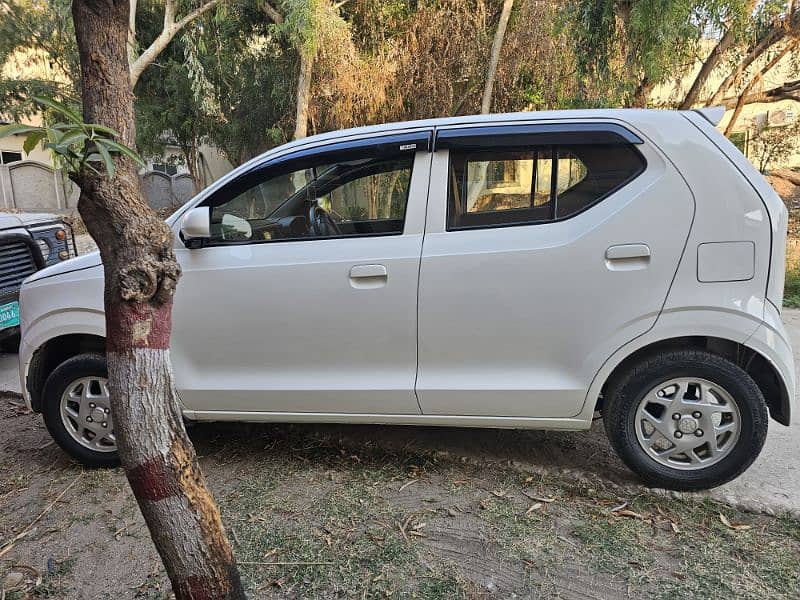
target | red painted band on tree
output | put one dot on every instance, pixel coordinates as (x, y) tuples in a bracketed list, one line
[(151, 481), (138, 325), (202, 588)]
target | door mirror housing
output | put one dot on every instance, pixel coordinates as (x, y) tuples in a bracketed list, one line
[(196, 226)]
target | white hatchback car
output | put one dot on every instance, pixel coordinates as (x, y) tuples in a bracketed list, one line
[(517, 271)]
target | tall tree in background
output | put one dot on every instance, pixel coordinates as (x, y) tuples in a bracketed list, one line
[(494, 58), (141, 274), (625, 48)]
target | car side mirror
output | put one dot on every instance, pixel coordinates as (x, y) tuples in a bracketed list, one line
[(196, 226)]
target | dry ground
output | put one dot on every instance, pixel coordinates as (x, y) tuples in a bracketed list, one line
[(334, 511)]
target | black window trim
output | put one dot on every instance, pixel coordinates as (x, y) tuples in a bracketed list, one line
[(536, 134), (516, 137), (380, 146)]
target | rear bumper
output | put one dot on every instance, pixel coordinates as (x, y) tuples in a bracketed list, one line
[(771, 340)]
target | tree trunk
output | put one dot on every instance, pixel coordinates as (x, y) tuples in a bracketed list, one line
[(494, 58), (303, 95), (641, 94), (191, 155), (141, 273)]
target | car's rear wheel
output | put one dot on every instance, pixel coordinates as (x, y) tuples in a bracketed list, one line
[(686, 420), (77, 410)]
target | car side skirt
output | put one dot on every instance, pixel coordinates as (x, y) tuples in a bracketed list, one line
[(380, 419)]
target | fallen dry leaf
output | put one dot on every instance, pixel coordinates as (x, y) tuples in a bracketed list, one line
[(533, 507), (539, 498), (734, 526), (630, 514), (406, 484)]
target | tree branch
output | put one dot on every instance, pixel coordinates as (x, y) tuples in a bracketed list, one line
[(774, 35), (787, 91), (756, 79), (171, 27), (272, 13), (725, 43)]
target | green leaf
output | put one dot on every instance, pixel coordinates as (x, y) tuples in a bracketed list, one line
[(60, 108), (32, 140), (92, 127), (73, 137), (54, 136), (117, 147), (17, 129), (107, 160)]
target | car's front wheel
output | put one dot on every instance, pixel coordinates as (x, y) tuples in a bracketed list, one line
[(686, 420), (77, 410)]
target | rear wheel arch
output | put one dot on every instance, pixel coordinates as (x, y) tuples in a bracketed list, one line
[(54, 352), (752, 362)]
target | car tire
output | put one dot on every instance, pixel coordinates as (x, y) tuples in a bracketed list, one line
[(84, 367), (733, 405)]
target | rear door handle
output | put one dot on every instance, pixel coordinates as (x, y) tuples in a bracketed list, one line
[(367, 271), (628, 251)]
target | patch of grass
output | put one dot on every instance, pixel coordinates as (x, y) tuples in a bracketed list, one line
[(338, 511), (684, 548), (791, 288), (53, 584), (323, 515)]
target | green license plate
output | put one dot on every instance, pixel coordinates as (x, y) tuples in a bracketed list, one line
[(9, 315)]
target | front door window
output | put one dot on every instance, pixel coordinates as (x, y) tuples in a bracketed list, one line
[(349, 198)]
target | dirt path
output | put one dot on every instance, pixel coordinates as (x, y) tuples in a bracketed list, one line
[(376, 511)]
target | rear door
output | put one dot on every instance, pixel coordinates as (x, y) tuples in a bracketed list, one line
[(547, 247)]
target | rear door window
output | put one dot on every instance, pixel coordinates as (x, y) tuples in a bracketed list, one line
[(522, 185)]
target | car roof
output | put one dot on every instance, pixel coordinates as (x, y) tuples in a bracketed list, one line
[(629, 115)]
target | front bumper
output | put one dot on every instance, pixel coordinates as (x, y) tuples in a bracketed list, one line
[(9, 332)]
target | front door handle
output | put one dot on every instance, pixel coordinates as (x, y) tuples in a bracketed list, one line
[(628, 251), (367, 271), (368, 277)]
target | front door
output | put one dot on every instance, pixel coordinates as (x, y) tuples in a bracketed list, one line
[(547, 248), (304, 299)]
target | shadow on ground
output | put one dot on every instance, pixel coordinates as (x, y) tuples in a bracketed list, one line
[(581, 451)]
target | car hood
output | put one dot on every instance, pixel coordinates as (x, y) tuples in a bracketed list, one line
[(85, 261), (16, 220)]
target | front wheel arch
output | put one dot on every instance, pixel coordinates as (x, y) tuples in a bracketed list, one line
[(53, 353)]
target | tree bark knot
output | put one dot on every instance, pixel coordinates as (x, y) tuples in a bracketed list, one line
[(149, 278)]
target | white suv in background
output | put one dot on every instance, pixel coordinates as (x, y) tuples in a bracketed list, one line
[(520, 271)]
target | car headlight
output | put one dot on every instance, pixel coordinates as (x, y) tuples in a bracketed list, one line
[(45, 248), (55, 242)]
